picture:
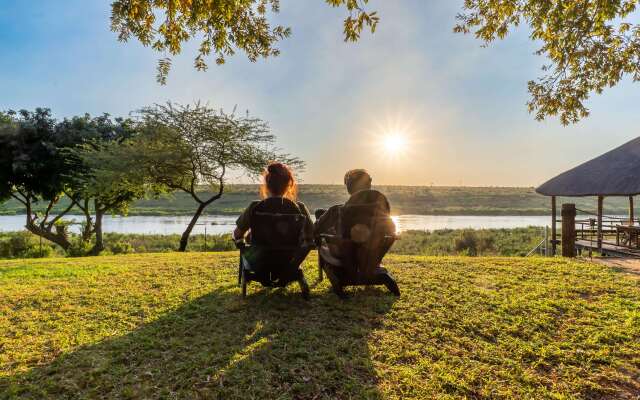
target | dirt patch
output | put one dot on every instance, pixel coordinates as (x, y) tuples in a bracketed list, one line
[(627, 265)]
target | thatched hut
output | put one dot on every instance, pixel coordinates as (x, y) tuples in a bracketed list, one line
[(615, 173)]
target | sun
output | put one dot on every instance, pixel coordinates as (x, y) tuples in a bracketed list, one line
[(394, 143)]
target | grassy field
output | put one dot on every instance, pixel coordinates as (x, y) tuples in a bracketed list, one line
[(174, 326), (417, 200)]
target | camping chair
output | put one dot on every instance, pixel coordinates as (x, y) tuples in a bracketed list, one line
[(353, 258), (275, 250)]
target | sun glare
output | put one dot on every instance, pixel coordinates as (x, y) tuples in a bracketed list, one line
[(394, 143)]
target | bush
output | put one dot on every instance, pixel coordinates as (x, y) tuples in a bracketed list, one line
[(504, 242), (23, 245), (78, 247), (121, 247), (467, 243)]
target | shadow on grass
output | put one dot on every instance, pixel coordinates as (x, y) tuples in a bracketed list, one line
[(270, 345)]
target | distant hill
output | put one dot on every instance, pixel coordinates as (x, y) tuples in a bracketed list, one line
[(418, 200)]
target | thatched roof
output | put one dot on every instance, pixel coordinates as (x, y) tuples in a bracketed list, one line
[(615, 173)]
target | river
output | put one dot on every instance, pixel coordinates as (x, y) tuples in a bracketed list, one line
[(225, 224)]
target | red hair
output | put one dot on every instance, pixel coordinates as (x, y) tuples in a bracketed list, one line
[(278, 180)]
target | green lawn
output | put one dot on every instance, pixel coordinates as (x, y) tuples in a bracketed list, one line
[(174, 326)]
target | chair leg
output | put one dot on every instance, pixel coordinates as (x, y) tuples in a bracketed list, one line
[(320, 274), (240, 271), (391, 284), (243, 278)]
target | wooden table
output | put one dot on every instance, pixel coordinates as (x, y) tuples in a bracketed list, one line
[(630, 235)]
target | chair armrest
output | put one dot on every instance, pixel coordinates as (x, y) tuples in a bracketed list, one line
[(309, 245), (239, 243), (333, 239)]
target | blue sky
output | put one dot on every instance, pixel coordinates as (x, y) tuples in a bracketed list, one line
[(461, 106)]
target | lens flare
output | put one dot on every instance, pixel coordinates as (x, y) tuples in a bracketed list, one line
[(394, 143)]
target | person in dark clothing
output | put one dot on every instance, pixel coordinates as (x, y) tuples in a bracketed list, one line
[(279, 196), (358, 184), (355, 180)]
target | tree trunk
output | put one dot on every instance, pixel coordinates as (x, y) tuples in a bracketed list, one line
[(99, 246), (185, 235), (58, 238)]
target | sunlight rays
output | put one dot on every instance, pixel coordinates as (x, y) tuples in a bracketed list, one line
[(394, 139)]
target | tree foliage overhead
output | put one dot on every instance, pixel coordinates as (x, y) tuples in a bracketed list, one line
[(592, 45), (221, 26)]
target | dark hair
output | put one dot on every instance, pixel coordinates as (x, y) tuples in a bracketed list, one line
[(278, 180), (356, 180)]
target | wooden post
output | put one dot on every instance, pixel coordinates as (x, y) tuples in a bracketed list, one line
[(554, 243), (600, 201), (568, 230), (631, 216), (546, 241)]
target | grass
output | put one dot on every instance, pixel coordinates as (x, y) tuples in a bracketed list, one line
[(419, 200), (174, 326)]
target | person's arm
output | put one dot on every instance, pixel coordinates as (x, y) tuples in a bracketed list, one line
[(243, 223), (327, 222), (238, 233), (307, 234)]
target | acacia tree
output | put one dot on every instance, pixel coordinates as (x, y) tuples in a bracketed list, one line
[(33, 171), (191, 148), (223, 26), (592, 45)]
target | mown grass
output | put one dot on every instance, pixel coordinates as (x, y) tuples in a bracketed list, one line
[(174, 326)]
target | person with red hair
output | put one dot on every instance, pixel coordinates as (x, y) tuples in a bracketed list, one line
[(278, 182), (279, 202)]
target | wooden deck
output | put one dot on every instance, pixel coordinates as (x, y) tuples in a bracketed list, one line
[(608, 249)]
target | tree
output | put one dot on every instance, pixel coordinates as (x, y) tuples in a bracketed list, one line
[(591, 44), (223, 26), (190, 148), (100, 183), (33, 169)]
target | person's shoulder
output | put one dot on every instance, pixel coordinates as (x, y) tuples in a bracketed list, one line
[(367, 196), (253, 205), (370, 196)]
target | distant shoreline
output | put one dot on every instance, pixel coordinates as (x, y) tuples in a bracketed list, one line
[(405, 200)]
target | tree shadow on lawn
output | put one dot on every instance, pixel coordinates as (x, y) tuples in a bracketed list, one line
[(269, 345)]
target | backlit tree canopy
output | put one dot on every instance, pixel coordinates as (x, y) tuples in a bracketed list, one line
[(221, 26), (592, 45)]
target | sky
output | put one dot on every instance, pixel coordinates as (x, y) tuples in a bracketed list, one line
[(460, 107)]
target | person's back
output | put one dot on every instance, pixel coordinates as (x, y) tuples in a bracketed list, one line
[(358, 184), (277, 222), (279, 193)]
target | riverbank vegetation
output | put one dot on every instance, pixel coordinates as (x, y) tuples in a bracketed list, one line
[(470, 242), (174, 325)]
